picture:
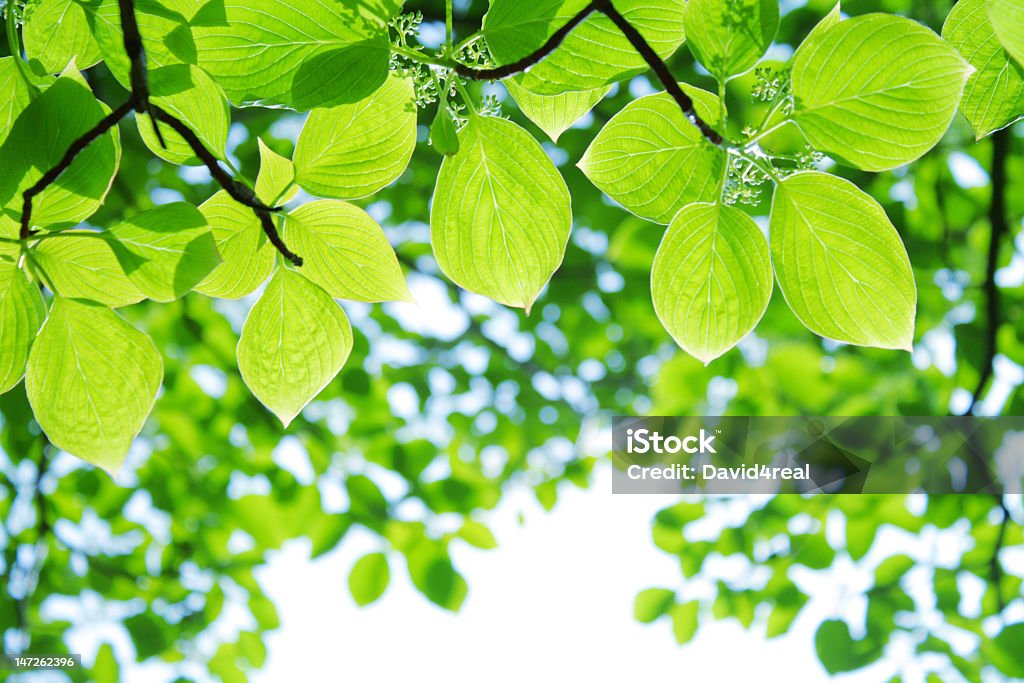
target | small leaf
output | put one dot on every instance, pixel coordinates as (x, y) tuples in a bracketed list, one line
[(80, 264), (443, 136), (186, 92), (712, 278), (248, 256), (501, 214), (296, 53), (165, 251), (346, 252), (554, 114), (275, 185), (353, 150), (369, 578), (839, 652), (594, 55), (1007, 18), (892, 569), (294, 342), (652, 603), (55, 33), (685, 620), (22, 311), (477, 535), (729, 36), (877, 91), (840, 262), (828, 21), (39, 139), (1004, 650), (994, 96), (431, 571), (92, 380), (651, 159)]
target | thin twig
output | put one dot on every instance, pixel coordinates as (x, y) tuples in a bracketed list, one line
[(520, 65), (239, 191), (660, 69), (999, 227), (76, 148), (139, 75)]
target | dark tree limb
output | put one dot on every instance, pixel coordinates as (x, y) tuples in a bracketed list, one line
[(999, 228), (139, 74), (520, 65), (660, 69), (76, 148), (635, 38), (139, 102)]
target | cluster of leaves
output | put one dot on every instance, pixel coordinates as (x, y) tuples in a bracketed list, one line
[(753, 560)]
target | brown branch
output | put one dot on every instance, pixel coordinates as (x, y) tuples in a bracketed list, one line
[(76, 148), (139, 102), (139, 74), (660, 69), (520, 65), (999, 227), (635, 38)]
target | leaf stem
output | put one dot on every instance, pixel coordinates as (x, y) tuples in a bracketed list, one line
[(14, 43), (461, 87), (765, 133), (449, 36), (422, 57)]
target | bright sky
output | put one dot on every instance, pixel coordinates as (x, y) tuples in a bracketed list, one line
[(554, 600)]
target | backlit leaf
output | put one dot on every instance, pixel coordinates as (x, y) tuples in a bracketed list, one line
[(22, 311), (501, 215), (729, 36), (554, 114), (82, 265), (92, 380), (369, 578), (55, 33), (246, 253)]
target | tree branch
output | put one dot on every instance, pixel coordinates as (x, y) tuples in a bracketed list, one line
[(635, 38), (76, 148), (999, 227), (520, 65), (139, 102)]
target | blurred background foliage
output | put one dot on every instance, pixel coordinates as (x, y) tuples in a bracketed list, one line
[(442, 407)]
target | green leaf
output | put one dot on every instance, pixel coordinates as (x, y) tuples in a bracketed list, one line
[(14, 95), (165, 251), (353, 150), (294, 342), (594, 55), (1007, 18), (275, 184), (296, 53), (840, 263), (56, 32), (345, 251), (711, 279), (651, 159), (80, 264), (554, 114), (92, 379), (189, 94), (877, 91), (892, 569), (444, 137), (369, 578), (501, 215), (652, 603), (246, 253), (22, 311), (828, 21), (685, 620), (839, 652), (813, 551), (39, 139), (477, 535), (1004, 649), (432, 573), (105, 669), (994, 96), (860, 534), (730, 36)]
